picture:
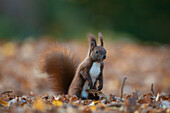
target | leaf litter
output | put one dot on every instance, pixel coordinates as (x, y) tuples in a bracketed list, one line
[(24, 90)]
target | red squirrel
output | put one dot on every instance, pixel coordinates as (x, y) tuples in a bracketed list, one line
[(66, 76)]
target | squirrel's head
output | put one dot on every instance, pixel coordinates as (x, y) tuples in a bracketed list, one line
[(97, 53)]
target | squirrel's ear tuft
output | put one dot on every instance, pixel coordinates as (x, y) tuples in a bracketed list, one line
[(100, 38), (92, 41)]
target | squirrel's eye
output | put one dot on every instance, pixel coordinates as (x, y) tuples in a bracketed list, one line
[(97, 51)]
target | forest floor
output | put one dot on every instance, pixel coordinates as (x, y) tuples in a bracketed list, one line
[(23, 89)]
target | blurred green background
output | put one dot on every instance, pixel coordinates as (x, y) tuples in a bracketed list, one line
[(143, 20)]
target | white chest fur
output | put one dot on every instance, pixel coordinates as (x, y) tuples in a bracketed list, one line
[(95, 71)]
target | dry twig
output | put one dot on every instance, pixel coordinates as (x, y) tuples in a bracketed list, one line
[(122, 88), (6, 92), (152, 91)]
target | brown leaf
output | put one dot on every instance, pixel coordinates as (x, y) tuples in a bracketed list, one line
[(73, 98), (147, 98), (94, 91)]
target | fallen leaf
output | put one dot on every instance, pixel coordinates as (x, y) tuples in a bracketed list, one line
[(39, 105), (57, 103), (3, 103)]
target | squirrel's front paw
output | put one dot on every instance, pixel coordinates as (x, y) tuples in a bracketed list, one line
[(100, 87)]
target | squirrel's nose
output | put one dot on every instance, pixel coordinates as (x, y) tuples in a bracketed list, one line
[(104, 57)]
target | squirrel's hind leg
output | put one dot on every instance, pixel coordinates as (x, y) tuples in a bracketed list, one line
[(84, 93)]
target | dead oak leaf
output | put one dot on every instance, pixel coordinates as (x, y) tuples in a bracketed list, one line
[(94, 91)]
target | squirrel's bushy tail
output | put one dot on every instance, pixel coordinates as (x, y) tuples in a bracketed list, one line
[(60, 65)]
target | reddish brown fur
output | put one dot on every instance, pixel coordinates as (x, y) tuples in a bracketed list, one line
[(82, 74), (60, 65)]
